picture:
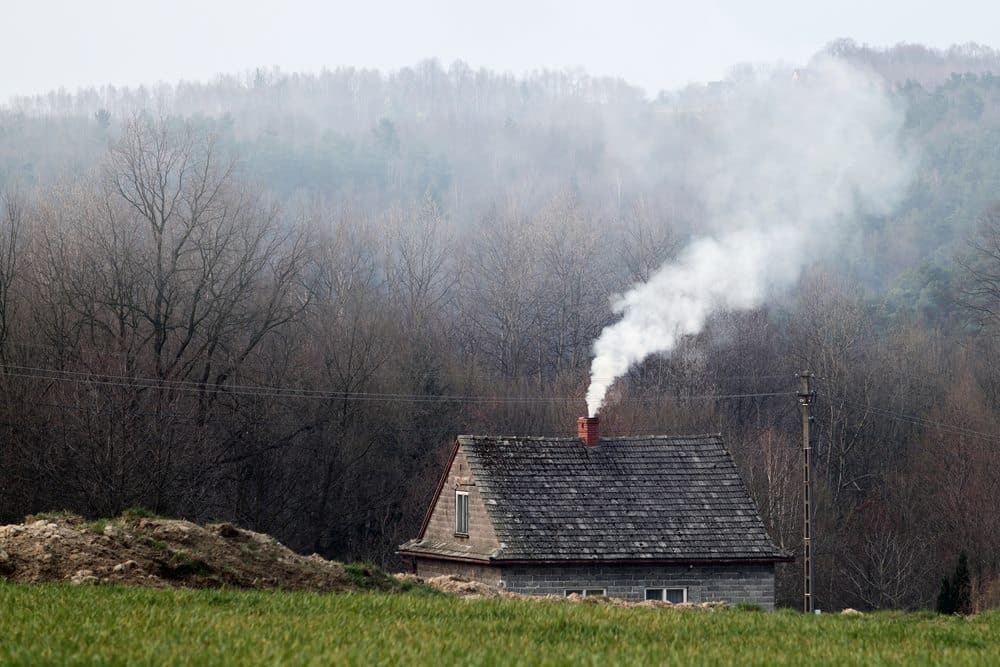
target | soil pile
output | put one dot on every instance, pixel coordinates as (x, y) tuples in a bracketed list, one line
[(157, 552)]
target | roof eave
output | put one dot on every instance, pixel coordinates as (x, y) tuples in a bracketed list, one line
[(437, 491), (645, 561), (407, 553)]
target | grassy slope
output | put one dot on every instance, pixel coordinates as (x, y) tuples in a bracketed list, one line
[(85, 625)]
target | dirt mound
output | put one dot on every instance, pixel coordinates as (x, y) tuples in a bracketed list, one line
[(465, 588), (158, 552)]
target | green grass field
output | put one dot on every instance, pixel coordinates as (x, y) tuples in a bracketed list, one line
[(58, 624)]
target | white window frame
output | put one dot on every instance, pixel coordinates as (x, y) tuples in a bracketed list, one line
[(459, 515), (663, 592), (586, 592)]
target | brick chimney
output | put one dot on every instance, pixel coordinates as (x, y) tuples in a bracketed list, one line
[(588, 429)]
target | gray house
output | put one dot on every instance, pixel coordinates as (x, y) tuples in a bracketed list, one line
[(652, 517)]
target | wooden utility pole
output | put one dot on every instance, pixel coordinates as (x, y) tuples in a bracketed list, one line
[(805, 401)]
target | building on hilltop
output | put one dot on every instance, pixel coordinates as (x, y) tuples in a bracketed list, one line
[(657, 517)]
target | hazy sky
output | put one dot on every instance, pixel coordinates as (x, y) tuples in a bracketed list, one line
[(47, 44)]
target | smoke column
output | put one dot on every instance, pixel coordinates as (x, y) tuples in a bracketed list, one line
[(787, 164)]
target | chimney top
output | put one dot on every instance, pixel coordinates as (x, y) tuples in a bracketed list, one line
[(588, 429)]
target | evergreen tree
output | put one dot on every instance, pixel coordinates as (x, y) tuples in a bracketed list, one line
[(946, 599), (962, 586), (956, 593)]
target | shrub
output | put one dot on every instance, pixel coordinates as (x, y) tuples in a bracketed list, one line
[(367, 576), (98, 526), (59, 515)]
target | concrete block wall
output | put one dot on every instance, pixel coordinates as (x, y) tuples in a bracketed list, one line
[(428, 568), (705, 583)]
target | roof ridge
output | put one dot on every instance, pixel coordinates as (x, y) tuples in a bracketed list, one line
[(563, 438), (665, 436), (540, 438)]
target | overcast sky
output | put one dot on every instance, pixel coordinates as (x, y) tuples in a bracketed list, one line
[(47, 44)]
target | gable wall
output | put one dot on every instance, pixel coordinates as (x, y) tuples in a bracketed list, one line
[(482, 539)]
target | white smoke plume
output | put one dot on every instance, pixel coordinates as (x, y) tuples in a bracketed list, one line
[(788, 163)]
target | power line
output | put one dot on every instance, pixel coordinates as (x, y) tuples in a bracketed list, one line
[(265, 391), (921, 421), (424, 375), (915, 420)]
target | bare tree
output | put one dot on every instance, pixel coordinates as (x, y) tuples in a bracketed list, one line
[(12, 223), (885, 567), (350, 335), (574, 290), (421, 266), (167, 275), (209, 251), (648, 242), (981, 267), (503, 302), (835, 337)]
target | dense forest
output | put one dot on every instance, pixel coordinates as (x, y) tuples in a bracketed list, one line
[(276, 298)]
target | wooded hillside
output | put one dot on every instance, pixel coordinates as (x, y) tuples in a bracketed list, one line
[(275, 299)]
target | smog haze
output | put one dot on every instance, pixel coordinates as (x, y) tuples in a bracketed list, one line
[(51, 44)]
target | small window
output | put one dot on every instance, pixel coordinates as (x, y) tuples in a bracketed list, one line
[(461, 513), (585, 592), (676, 595), (672, 595)]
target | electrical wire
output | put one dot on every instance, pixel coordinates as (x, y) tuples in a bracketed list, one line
[(270, 391), (426, 374), (915, 420), (266, 391)]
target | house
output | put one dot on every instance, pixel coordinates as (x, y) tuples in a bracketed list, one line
[(649, 517)]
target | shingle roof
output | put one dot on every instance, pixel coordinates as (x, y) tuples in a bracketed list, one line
[(654, 497)]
